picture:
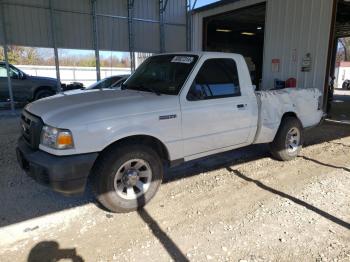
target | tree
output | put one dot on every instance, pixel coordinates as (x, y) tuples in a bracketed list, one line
[(345, 43), (19, 55), (22, 55)]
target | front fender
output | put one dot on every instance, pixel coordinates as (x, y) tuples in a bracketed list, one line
[(167, 132)]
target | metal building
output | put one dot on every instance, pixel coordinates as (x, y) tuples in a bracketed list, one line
[(279, 39), (150, 26)]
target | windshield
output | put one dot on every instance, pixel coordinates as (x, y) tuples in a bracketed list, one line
[(163, 74)]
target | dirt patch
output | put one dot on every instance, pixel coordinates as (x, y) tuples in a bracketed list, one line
[(237, 206)]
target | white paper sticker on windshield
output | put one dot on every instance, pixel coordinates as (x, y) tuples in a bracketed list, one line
[(182, 59)]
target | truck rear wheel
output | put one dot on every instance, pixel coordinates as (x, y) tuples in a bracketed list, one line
[(288, 141), (127, 178)]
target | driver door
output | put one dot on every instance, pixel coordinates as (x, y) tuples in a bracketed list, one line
[(215, 115)]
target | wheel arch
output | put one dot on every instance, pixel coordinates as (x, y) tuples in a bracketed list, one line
[(40, 88), (290, 114), (146, 140)]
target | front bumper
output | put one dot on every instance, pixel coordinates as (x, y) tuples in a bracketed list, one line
[(64, 174)]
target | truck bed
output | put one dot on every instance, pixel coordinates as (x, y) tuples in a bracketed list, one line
[(305, 103)]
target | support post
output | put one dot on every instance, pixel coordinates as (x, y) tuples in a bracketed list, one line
[(188, 25), (331, 49), (95, 40), (131, 35), (53, 38), (189, 9), (9, 82), (162, 8)]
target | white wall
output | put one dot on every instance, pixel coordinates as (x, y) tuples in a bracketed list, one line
[(293, 29), (85, 75), (342, 73)]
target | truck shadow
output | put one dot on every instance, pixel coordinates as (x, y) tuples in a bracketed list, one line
[(324, 164), (168, 244), (291, 198)]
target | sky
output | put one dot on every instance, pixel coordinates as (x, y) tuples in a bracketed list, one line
[(204, 2)]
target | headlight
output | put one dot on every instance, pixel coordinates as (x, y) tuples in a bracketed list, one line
[(56, 138)]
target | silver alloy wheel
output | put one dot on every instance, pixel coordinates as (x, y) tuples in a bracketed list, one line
[(133, 179), (293, 140)]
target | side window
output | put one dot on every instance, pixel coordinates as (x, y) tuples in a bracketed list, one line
[(3, 71), (217, 78)]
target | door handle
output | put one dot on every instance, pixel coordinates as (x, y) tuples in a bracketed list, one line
[(241, 106)]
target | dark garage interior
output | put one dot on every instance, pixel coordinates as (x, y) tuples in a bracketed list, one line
[(240, 31), (339, 108)]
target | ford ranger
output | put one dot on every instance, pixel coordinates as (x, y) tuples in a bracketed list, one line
[(174, 108)]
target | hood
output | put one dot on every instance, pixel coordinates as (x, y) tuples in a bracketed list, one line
[(83, 90), (42, 78), (70, 108), (76, 91)]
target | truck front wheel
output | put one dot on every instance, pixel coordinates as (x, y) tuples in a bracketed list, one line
[(288, 141), (127, 177)]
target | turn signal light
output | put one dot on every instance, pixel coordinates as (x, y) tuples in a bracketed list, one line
[(64, 139)]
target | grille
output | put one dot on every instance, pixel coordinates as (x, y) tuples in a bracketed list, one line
[(31, 129)]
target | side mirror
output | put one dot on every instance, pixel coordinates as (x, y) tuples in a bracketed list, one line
[(23, 76)]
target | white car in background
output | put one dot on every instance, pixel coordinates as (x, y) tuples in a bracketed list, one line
[(109, 82)]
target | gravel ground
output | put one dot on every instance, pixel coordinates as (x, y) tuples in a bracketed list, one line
[(237, 206)]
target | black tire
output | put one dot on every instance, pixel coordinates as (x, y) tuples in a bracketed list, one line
[(279, 147), (42, 94), (105, 172), (346, 85)]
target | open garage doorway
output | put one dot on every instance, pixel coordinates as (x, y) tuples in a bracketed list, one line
[(340, 105), (239, 31)]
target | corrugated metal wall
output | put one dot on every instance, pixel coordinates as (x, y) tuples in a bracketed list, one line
[(112, 31), (28, 23), (73, 24), (293, 29), (1, 27), (174, 15)]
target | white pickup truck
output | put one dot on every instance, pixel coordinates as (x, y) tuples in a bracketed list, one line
[(174, 108)]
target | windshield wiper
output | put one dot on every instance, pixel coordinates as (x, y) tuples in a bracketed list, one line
[(138, 87)]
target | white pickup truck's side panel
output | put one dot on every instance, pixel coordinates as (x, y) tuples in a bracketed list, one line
[(274, 104), (218, 124)]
